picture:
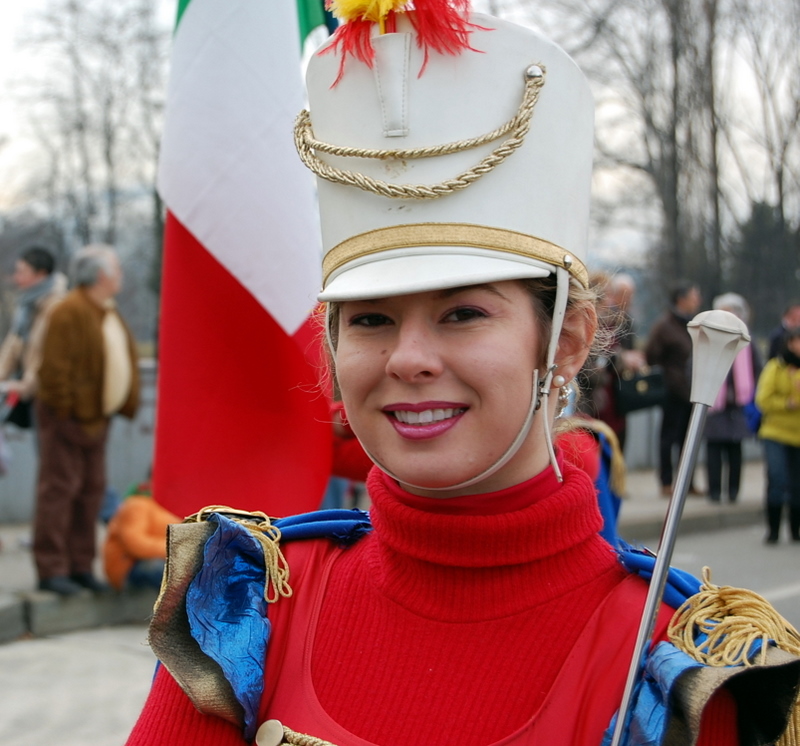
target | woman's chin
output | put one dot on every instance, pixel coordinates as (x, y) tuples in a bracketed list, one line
[(438, 484)]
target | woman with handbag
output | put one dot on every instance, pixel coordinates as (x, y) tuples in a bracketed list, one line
[(726, 424), (478, 605)]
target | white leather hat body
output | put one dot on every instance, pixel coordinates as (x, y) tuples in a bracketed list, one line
[(516, 219)]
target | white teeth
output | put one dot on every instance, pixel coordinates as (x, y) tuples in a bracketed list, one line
[(425, 417)]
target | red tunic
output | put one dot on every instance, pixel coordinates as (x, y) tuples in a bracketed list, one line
[(468, 621)]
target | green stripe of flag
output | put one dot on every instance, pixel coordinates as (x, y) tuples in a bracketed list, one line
[(310, 14), (182, 5)]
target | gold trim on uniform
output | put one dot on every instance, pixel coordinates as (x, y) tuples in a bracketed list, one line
[(451, 234)]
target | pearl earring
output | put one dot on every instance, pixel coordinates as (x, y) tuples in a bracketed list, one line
[(563, 400), (558, 381)]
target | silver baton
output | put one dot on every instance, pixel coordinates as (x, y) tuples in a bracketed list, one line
[(717, 337)]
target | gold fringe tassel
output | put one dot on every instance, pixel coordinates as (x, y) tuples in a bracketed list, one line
[(733, 620)]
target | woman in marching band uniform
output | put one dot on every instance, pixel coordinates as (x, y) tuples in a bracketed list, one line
[(481, 607)]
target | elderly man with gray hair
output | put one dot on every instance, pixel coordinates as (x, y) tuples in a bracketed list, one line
[(88, 374)]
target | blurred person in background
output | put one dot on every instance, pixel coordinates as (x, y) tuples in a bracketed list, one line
[(726, 424), (778, 398), (789, 320), (88, 374), (135, 548), (40, 288), (670, 346), (600, 377)]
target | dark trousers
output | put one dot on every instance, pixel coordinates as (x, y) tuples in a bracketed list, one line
[(69, 491), (674, 424), (717, 452), (783, 473)]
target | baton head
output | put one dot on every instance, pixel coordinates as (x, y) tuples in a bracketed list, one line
[(717, 337)]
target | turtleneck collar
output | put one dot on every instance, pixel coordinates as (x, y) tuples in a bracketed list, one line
[(493, 503), (522, 546)]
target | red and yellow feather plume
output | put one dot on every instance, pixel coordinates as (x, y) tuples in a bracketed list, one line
[(441, 25)]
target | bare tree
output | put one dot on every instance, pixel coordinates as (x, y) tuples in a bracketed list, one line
[(95, 109), (97, 103), (698, 109)]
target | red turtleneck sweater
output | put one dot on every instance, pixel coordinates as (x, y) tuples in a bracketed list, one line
[(452, 619)]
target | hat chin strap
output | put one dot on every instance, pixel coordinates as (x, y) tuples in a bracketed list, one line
[(538, 390), (559, 312)]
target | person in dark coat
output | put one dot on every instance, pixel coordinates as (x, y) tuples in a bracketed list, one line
[(670, 346), (789, 320)]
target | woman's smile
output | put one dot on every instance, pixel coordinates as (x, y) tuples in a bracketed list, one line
[(424, 420)]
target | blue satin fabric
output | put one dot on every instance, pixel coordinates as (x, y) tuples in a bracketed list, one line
[(680, 584), (343, 526), (648, 715), (225, 601), (228, 614)]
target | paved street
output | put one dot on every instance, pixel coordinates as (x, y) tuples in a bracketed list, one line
[(79, 689)]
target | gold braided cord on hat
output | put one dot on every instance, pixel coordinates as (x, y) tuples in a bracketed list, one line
[(268, 535), (719, 627), (518, 125), (451, 234)]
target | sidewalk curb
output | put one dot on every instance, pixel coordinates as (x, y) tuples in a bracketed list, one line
[(712, 518), (41, 613)]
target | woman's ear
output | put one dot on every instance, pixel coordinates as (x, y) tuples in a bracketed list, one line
[(575, 343)]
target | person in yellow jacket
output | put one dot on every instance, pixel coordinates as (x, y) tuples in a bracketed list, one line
[(778, 398), (136, 543)]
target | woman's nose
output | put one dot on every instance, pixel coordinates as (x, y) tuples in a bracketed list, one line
[(415, 355)]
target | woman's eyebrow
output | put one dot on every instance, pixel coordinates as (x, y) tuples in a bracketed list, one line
[(450, 292)]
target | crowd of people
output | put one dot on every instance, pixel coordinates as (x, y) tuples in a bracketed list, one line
[(756, 400), (69, 364)]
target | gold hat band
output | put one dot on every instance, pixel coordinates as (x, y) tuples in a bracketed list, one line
[(451, 234)]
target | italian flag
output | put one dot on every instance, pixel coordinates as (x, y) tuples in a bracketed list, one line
[(241, 417)]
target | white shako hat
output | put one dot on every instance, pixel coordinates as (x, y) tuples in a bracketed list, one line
[(523, 213)]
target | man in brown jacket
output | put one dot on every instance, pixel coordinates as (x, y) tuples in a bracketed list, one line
[(88, 374)]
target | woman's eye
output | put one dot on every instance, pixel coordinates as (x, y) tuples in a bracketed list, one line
[(464, 314), (370, 319)]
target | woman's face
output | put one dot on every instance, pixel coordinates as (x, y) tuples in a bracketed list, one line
[(437, 384), (25, 276)]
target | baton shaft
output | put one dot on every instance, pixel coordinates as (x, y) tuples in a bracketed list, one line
[(655, 592)]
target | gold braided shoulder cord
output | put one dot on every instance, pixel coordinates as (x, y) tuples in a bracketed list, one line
[(276, 584), (733, 620), (518, 126)]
